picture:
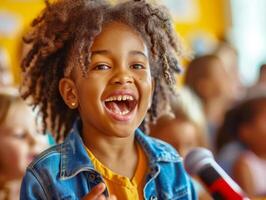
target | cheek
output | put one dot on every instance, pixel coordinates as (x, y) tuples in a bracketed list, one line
[(262, 126), (146, 82), (89, 95), (91, 87), (147, 94)]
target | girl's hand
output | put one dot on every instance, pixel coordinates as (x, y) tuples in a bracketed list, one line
[(97, 193)]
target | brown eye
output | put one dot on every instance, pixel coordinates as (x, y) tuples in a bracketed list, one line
[(137, 66), (102, 67)]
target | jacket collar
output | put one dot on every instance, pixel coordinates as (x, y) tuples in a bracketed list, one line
[(157, 150), (74, 157)]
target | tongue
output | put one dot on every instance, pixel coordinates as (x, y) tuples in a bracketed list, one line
[(117, 106)]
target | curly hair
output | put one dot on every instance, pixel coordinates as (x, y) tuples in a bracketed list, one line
[(242, 113), (62, 36)]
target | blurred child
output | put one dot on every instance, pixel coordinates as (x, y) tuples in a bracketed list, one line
[(250, 167), (19, 142), (180, 132), (229, 56), (188, 103), (184, 135), (93, 70), (241, 144), (227, 144), (207, 77)]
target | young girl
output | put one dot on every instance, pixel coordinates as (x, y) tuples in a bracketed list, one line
[(19, 144), (93, 70), (249, 169), (244, 132), (207, 78)]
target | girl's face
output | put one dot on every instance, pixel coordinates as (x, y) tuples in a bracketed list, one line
[(18, 145), (254, 133), (114, 96)]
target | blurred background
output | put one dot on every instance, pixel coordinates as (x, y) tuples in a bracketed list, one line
[(201, 23)]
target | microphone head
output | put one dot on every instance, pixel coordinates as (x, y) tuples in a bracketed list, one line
[(196, 159)]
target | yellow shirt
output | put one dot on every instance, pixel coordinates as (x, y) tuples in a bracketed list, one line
[(122, 186)]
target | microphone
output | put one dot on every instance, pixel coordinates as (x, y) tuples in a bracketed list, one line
[(199, 161)]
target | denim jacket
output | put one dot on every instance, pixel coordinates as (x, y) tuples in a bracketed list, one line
[(66, 172)]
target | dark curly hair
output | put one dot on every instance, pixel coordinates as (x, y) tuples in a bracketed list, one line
[(61, 37), (243, 112)]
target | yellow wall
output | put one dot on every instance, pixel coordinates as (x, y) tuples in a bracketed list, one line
[(212, 19), (27, 10)]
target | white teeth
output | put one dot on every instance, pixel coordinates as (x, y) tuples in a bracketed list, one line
[(122, 113), (125, 112), (120, 98)]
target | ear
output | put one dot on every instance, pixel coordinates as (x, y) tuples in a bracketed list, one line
[(68, 92)]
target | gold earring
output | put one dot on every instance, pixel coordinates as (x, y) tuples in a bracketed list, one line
[(73, 104)]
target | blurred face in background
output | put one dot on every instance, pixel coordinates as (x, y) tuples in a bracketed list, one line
[(229, 57), (19, 142), (217, 82), (254, 133), (181, 134), (208, 78)]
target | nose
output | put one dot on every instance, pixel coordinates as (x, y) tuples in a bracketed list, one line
[(122, 76)]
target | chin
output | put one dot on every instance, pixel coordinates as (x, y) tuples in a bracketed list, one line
[(123, 132)]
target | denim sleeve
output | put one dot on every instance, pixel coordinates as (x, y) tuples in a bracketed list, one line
[(31, 188), (194, 195)]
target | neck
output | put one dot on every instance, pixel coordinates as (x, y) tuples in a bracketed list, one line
[(108, 146), (114, 152)]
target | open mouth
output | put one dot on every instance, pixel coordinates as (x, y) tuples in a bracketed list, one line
[(120, 106)]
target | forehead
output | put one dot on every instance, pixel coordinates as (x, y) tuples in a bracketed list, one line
[(214, 66), (115, 33), (19, 115)]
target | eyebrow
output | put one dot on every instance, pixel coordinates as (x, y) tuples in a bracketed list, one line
[(100, 52), (106, 52), (138, 53)]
